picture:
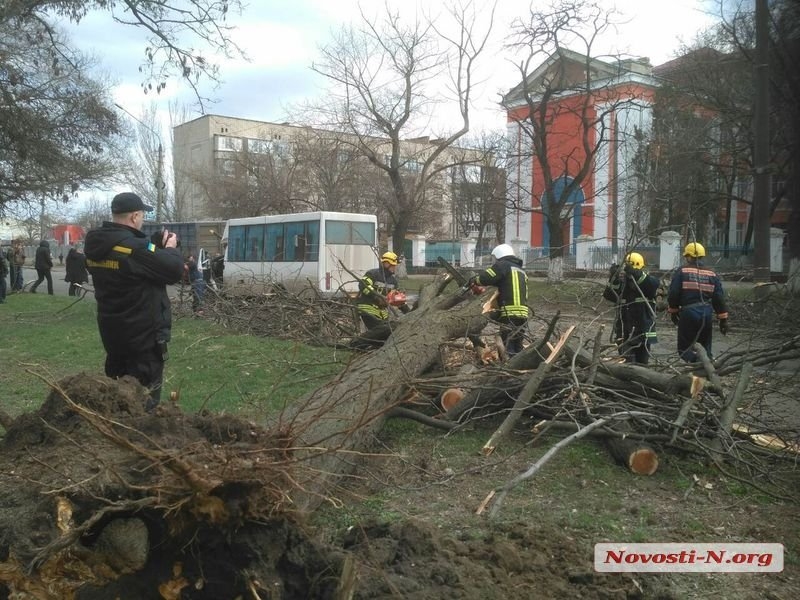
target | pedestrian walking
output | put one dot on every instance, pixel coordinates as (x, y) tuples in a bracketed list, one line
[(43, 264), (76, 270)]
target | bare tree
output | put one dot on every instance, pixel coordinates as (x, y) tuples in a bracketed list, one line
[(54, 118), (387, 78), (566, 110), (55, 121), (176, 29), (479, 194)]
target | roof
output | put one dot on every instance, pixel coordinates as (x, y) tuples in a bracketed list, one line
[(559, 63)]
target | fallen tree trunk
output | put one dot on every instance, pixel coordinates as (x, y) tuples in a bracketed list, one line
[(344, 415)]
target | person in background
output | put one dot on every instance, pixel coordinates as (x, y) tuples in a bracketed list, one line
[(76, 270), (218, 268), (695, 294), (372, 304), (633, 290), (61, 257), (3, 274), (130, 273), (507, 276), (18, 282), (198, 284), (43, 264)]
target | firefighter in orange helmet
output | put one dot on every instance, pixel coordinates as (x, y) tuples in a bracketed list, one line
[(377, 289)]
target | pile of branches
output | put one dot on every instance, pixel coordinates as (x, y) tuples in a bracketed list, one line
[(303, 316), (720, 411)]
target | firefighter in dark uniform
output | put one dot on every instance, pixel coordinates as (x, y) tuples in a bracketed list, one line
[(633, 290), (507, 276), (373, 289), (695, 294), (130, 274)]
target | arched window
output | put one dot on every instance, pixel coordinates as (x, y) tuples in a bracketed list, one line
[(576, 199)]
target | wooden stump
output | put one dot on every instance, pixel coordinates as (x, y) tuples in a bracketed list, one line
[(640, 458)]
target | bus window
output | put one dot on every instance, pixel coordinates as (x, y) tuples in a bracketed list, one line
[(312, 241), (236, 243), (294, 241), (274, 242), (345, 232), (254, 242)]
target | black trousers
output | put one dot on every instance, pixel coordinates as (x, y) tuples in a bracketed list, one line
[(43, 274), (146, 367)]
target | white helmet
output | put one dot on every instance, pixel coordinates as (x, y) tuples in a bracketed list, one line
[(502, 251)]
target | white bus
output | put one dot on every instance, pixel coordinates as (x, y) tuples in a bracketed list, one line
[(299, 250)]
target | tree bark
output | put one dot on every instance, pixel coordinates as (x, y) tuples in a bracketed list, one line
[(343, 416)]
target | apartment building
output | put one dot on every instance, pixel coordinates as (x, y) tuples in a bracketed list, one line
[(230, 167)]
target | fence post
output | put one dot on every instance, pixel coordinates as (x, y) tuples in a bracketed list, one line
[(583, 252), (776, 249), (669, 251), (418, 251), (468, 246)]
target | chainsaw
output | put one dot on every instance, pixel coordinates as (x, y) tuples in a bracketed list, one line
[(463, 282)]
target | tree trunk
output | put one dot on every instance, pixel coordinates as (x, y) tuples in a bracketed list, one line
[(347, 413)]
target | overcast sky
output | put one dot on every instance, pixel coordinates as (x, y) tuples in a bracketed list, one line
[(282, 37)]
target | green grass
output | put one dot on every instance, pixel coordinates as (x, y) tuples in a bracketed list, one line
[(49, 337)]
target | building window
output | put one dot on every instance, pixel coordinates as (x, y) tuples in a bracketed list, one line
[(226, 143)]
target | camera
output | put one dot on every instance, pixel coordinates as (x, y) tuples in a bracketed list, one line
[(158, 238)]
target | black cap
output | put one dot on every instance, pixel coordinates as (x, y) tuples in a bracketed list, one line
[(128, 202)]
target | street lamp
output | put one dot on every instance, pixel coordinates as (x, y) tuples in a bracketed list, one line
[(159, 167)]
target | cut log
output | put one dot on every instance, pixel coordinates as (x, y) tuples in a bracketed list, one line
[(644, 377), (640, 458), (451, 397)]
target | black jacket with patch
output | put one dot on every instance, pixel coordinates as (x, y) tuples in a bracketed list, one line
[(130, 275)]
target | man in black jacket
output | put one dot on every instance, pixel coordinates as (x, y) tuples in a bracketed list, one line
[(130, 274), (43, 265)]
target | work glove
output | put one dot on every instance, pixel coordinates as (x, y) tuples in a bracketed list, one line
[(381, 300), (676, 318), (723, 326)]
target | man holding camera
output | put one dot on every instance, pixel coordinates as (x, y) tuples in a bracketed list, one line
[(130, 274)]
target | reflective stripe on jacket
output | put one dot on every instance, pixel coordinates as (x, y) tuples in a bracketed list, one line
[(696, 286), (376, 282)]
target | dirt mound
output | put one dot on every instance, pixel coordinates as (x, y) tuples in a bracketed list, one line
[(412, 559), (100, 499)]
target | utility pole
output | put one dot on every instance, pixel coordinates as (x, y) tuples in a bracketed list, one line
[(159, 180), (762, 184)]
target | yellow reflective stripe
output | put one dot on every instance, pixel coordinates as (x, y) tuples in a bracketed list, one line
[(122, 250), (490, 272), (515, 287), (514, 311), (371, 309), (102, 264), (642, 278)]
